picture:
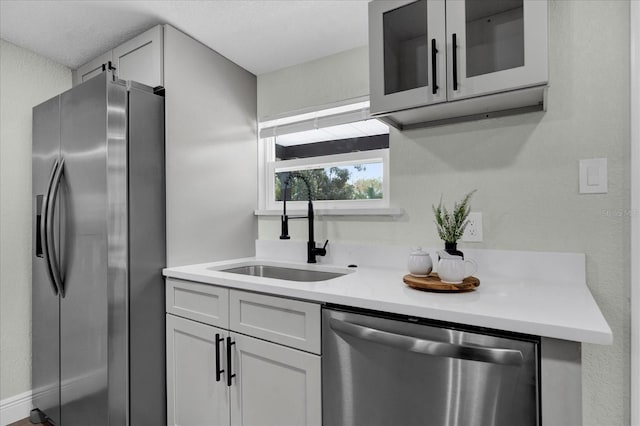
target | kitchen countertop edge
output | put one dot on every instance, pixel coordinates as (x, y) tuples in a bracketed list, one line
[(586, 325)]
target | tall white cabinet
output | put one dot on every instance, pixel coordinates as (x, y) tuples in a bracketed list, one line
[(211, 141), (211, 150), (221, 372)]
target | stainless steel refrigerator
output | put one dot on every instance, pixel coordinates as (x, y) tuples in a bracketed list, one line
[(98, 250)]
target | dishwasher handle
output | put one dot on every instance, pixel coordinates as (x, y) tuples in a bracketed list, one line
[(429, 347)]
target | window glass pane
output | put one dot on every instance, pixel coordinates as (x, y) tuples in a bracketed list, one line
[(342, 156), (343, 182), (405, 47), (494, 35)]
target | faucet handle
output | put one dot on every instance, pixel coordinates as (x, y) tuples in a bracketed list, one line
[(322, 251)]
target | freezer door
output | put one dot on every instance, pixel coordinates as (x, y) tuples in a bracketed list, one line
[(45, 321), (378, 372), (84, 310)]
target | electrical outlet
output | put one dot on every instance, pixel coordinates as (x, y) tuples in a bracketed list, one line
[(473, 231)]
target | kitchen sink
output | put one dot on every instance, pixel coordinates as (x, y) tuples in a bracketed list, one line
[(287, 273)]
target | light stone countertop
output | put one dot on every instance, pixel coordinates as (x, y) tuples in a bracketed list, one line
[(556, 304)]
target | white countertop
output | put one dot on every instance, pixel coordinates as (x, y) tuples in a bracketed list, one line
[(549, 305)]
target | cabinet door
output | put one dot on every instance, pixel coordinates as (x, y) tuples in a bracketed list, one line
[(140, 59), (407, 45), (194, 396), (274, 385), (495, 46), (91, 69)]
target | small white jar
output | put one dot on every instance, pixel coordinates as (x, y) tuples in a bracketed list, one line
[(420, 264)]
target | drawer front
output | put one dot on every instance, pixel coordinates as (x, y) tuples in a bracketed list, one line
[(200, 302), (288, 322)]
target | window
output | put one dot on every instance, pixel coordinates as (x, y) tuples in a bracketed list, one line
[(341, 152)]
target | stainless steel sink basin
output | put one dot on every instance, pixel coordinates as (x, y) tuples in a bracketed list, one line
[(288, 273)]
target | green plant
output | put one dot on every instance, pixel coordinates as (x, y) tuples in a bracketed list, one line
[(451, 225)]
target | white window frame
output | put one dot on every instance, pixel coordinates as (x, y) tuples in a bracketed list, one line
[(268, 166)]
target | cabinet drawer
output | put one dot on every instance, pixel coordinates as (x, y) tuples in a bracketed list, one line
[(200, 302), (288, 322)]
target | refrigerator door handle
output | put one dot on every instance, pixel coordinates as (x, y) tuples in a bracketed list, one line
[(429, 347), (44, 229), (51, 247)]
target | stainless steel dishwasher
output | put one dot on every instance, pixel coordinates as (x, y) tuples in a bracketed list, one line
[(383, 370)]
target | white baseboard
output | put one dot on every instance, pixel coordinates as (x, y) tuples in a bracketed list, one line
[(15, 408), (19, 407)]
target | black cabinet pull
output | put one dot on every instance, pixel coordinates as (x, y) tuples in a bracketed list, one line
[(434, 68), (229, 374), (455, 61), (219, 371), (39, 211)]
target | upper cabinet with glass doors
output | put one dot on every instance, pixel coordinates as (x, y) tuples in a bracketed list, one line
[(406, 54), (429, 52)]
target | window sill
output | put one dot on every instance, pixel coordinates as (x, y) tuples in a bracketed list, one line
[(389, 212)]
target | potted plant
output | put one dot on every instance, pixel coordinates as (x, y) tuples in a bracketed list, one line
[(451, 225)]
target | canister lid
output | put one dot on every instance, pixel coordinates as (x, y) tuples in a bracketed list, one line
[(419, 252)]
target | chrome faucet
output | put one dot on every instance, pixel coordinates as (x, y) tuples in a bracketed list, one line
[(312, 250)]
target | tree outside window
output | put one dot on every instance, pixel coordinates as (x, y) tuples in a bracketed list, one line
[(354, 182)]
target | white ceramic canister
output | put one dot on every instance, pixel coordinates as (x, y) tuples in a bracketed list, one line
[(420, 264)]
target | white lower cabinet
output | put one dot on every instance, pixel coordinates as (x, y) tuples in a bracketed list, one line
[(274, 385), (194, 396), (221, 377)]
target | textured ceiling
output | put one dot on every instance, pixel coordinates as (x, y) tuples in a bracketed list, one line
[(259, 35)]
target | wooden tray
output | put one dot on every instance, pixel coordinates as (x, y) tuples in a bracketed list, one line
[(433, 283)]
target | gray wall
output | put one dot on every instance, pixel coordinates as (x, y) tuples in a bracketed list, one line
[(26, 80), (210, 153), (336, 78), (525, 168)]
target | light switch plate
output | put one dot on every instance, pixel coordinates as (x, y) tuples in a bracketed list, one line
[(593, 176)]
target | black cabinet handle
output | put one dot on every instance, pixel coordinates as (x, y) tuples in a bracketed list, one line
[(219, 371), (434, 68), (39, 211), (229, 374), (455, 61)]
